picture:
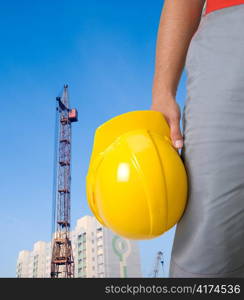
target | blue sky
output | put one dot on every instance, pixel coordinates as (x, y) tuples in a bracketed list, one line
[(105, 51)]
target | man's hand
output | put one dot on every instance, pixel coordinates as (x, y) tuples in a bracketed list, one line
[(171, 111)]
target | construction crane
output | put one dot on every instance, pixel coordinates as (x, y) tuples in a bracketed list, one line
[(62, 262), (159, 260)]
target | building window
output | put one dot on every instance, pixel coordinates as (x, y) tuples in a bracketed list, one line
[(100, 268), (100, 259), (99, 241), (84, 236)]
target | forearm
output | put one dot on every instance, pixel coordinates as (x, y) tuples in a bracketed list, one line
[(179, 21)]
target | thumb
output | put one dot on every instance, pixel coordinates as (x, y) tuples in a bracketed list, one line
[(175, 133)]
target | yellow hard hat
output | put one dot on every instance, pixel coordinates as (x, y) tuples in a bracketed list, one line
[(136, 183)]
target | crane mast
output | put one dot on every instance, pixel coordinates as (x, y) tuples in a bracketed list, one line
[(62, 262)]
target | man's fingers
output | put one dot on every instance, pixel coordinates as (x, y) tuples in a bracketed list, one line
[(175, 134)]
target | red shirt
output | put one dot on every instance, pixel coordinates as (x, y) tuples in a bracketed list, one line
[(212, 5)]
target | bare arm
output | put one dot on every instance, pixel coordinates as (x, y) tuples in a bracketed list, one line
[(179, 21)]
